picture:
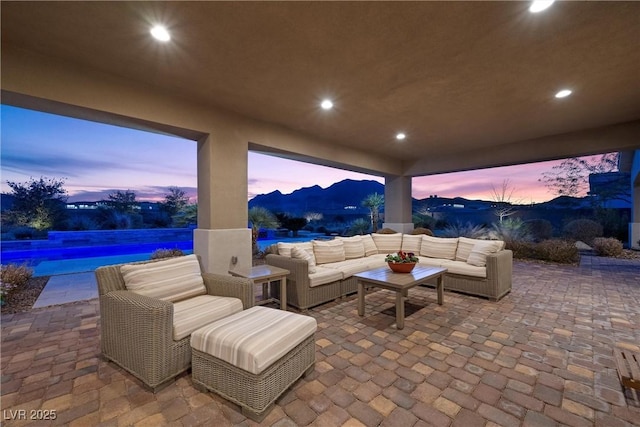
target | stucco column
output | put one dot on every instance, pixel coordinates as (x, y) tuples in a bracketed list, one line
[(222, 235), (397, 203)]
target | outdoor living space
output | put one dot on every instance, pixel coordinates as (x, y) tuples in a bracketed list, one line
[(543, 355)]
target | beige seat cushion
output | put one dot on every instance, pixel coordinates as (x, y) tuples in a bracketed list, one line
[(194, 313), (255, 338), (328, 251), (350, 267), (324, 275), (172, 280), (438, 247), (461, 267)]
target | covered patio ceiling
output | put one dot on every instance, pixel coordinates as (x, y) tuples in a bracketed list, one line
[(471, 84)]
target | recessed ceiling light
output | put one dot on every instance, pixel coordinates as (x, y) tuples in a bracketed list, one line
[(160, 33), (563, 93), (326, 104), (400, 136), (540, 5)]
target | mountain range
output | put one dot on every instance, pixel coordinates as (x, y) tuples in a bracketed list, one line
[(346, 197)]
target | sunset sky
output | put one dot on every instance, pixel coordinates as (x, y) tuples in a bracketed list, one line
[(95, 159)]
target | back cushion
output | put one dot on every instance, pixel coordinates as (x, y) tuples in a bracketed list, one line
[(328, 251), (438, 247), (353, 247), (370, 247), (387, 243), (172, 280), (411, 243), (284, 249)]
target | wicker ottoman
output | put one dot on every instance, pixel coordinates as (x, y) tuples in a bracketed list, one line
[(253, 356)]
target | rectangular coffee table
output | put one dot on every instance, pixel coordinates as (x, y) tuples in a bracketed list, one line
[(400, 283)]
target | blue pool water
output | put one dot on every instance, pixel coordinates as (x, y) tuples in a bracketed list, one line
[(33, 257), (53, 260)]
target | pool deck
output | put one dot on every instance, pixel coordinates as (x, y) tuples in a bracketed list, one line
[(67, 288)]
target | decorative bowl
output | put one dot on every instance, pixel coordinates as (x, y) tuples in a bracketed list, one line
[(401, 267)]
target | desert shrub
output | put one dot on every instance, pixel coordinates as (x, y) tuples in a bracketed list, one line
[(80, 223), (553, 250), (607, 246), (359, 226), (584, 230), (423, 221), (510, 230), (166, 253), (24, 233), (472, 231), (386, 231), (522, 249), (540, 229), (556, 250), (422, 230), (13, 277)]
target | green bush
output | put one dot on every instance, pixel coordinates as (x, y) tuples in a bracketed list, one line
[(540, 229), (584, 230), (12, 278), (607, 246), (166, 253)]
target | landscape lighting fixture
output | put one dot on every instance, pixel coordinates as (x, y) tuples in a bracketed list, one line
[(540, 5), (160, 33), (326, 104), (400, 136), (563, 93)]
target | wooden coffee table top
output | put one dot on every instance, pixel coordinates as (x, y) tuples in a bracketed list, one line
[(384, 276)]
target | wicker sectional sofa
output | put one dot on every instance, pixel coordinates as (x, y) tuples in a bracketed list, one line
[(321, 271)]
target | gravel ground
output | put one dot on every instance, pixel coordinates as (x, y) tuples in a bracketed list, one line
[(23, 299)]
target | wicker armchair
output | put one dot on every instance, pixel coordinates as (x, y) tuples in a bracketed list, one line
[(137, 330)]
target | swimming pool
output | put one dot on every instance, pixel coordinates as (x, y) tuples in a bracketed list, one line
[(48, 259), (33, 257)]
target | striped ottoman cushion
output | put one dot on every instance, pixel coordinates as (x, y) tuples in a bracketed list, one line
[(253, 339)]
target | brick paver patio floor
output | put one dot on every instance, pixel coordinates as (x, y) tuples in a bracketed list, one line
[(542, 356)]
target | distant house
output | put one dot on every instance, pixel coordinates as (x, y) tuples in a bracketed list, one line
[(84, 205)]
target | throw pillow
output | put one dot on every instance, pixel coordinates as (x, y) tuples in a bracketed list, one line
[(481, 249), (171, 280), (298, 253), (370, 247), (328, 251)]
